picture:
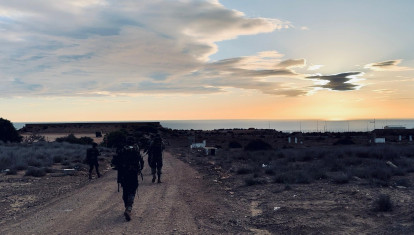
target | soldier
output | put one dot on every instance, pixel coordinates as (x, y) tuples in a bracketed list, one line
[(92, 159), (129, 163), (155, 157)]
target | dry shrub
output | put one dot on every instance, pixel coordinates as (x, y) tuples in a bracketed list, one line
[(270, 172), (243, 171), (11, 172), (256, 145), (36, 172), (39, 154), (341, 178), (253, 181), (383, 203), (403, 182), (235, 144)]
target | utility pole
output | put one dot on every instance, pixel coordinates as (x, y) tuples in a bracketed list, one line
[(317, 125), (374, 123)]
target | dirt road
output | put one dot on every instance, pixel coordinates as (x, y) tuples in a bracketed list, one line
[(184, 203)]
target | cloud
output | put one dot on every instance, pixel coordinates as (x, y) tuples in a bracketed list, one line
[(292, 63), (314, 67), (389, 65), (17, 85), (258, 72), (340, 81), (385, 91), (115, 47), (217, 76)]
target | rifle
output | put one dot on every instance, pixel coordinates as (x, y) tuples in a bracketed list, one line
[(140, 173), (118, 180)]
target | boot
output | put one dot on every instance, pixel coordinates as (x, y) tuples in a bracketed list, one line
[(159, 178), (90, 176), (153, 178), (127, 214)]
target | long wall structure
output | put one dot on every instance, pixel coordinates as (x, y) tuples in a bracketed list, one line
[(92, 127)]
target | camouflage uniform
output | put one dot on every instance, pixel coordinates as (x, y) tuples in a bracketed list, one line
[(129, 164), (92, 159), (155, 157)]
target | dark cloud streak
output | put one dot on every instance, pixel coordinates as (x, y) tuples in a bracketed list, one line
[(385, 63), (338, 82), (389, 65)]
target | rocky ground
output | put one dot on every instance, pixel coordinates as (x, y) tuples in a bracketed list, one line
[(184, 203), (224, 200), (319, 207), (18, 193)]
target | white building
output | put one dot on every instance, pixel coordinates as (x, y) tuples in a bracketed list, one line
[(198, 145), (379, 140)]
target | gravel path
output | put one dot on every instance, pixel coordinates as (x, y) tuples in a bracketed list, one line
[(184, 203)]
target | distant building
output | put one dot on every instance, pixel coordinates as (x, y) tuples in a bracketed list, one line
[(393, 131), (210, 150), (394, 127), (198, 145), (207, 150), (379, 140)]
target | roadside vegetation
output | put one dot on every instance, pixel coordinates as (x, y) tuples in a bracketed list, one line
[(71, 138), (377, 165), (258, 162), (36, 157), (40, 156), (383, 203), (8, 133)]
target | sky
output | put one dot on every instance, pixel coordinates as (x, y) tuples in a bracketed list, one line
[(128, 60)]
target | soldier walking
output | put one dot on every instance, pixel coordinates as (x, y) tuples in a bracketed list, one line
[(129, 163), (92, 159), (155, 157)]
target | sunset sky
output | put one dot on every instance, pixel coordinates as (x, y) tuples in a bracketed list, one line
[(129, 60)]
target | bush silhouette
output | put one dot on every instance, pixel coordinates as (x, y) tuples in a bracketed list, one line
[(115, 139), (344, 141), (235, 144), (7, 132), (36, 172), (383, 203), (243, 171), (256, 145), (71, 138)]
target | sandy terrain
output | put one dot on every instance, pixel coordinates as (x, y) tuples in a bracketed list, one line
[(198, 196), (317, 208), (183, 204)]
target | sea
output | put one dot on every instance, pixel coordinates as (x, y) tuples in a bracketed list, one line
[(279, 125)]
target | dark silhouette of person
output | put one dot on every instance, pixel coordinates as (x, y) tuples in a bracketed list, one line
[(92, 159), (129, 163), (155, 150)]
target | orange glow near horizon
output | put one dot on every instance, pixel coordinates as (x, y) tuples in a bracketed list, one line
[(234, 104)]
